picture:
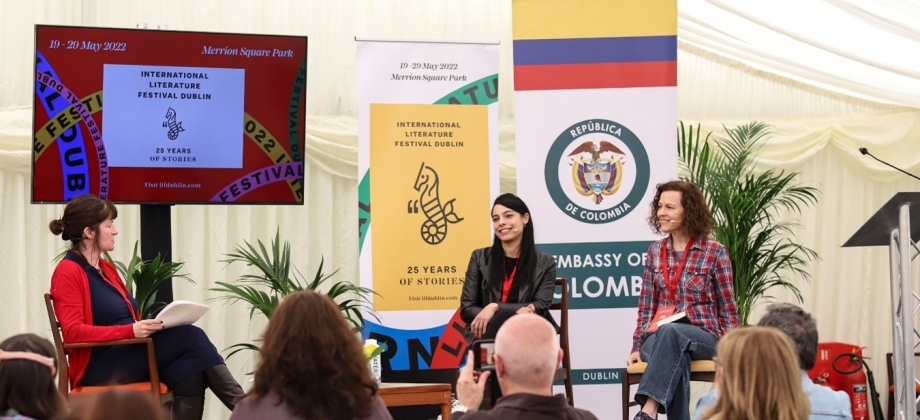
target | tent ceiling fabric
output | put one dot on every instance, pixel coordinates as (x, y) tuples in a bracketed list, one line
[(855, 49), (864, 49)]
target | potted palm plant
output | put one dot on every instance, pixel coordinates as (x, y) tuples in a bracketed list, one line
[(146, 277), (275, 278), (749, 208)]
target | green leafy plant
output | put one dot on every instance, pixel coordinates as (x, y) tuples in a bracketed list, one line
[(126, 271), (147, 277), (276, 278), (749, 209), (144, 278)]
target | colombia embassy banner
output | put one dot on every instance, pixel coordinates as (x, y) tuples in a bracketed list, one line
[(595, 116), (428, 170)]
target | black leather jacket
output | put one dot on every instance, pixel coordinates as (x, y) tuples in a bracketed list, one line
[(477, 292)]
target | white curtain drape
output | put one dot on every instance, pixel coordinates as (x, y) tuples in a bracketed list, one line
[(819, 124)]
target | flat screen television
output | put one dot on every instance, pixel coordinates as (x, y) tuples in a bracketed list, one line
[(168, 117)]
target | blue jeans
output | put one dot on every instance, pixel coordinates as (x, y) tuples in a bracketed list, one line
[(668, 353)]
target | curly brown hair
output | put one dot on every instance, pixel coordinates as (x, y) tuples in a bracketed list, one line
[(313, 361), (697, 221)]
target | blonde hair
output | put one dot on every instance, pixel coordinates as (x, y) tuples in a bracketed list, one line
[(759, 377)]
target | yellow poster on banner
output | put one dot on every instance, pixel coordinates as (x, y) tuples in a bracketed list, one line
[(430, 195)]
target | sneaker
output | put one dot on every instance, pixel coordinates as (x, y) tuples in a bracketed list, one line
[(643, 416)]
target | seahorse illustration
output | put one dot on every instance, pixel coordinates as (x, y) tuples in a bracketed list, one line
[(434, 229), (174, 127)]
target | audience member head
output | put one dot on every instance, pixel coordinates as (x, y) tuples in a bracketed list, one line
[(122, 405), (527, 354), (27, 369), (81, 220), (313, 361), (757, 377), (696, 220), (799, 326)]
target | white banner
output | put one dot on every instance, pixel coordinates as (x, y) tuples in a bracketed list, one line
[(595, 116), (428, 165)]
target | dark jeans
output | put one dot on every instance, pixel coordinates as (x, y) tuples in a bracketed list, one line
[(668, 353)]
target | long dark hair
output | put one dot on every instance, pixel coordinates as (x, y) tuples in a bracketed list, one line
[(313, 362), (527, 263), (27, 386)]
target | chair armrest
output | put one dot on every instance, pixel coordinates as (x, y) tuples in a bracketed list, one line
[(128, 341), (151, 358)]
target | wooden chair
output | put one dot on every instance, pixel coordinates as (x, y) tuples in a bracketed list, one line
[(888, 358), (159, 390), (700, 371), (564, 373)]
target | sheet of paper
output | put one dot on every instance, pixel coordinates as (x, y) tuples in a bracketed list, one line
[(181, 312)]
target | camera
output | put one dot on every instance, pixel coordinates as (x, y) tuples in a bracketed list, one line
[(483, 350)]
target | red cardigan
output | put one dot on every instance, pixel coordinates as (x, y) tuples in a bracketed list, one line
[(74, 310)]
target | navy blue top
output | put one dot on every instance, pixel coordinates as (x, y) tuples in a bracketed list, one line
[(108, 306)]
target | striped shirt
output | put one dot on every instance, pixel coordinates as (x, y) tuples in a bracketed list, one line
[(704, 292)]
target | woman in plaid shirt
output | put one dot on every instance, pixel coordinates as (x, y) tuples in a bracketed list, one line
[(685, 272)]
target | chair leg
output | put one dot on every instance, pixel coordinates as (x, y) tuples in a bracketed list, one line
[(890, 405), (625, 387), (569, 392)]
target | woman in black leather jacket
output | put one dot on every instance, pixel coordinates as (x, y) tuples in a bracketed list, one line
[(510, 277)]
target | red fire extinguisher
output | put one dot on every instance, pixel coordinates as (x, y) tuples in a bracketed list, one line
[(854, 383), (839, 367)]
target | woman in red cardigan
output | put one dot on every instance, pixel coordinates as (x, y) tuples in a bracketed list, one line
[(93, 304)]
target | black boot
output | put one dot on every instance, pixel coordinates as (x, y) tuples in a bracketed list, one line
[(223, 385), (187, 408)]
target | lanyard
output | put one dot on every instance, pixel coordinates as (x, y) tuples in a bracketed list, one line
[(672, 285), (506, 284)]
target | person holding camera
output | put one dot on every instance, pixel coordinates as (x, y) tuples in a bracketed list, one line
[(526, 356)]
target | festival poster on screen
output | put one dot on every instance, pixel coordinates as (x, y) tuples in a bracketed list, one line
[(168, 117)]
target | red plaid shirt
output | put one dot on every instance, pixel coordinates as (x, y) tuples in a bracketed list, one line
[(704, 292)]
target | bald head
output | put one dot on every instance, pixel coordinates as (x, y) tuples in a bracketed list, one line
[(528, 349)]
